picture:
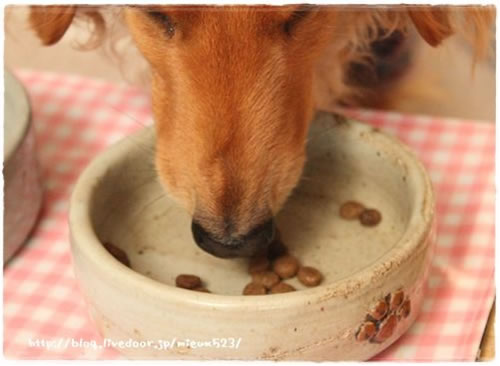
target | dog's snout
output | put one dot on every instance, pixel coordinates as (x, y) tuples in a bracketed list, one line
[(230, 245)]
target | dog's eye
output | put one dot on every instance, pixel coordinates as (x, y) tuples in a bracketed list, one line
[(164, 21), (297, 16)]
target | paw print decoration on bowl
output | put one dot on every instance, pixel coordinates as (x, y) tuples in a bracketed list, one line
[(383, 318)]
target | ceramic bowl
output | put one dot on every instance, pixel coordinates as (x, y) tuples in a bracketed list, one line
[(374, 277), (23, 192)]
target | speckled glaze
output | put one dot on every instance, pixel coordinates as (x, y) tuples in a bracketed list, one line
[(22, 189), (118, 199)]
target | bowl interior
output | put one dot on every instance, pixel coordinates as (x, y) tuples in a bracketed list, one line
[(346, 161)]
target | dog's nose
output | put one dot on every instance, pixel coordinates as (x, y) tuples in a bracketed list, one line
[(246, 245)]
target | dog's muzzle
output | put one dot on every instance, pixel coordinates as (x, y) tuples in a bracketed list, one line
[(256, 241)]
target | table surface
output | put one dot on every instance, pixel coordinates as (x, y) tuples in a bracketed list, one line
[(487, 347), (45, 316)]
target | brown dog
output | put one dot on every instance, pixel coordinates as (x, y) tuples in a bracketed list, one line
[(234, 89)]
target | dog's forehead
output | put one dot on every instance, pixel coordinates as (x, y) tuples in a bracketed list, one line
[(195, 14)]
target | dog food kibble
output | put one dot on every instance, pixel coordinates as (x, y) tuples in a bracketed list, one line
[(258, 264), (286, 266), (267, 279), (188, 281), (351, 210), (366, 331), (282, 287), (370, 217), (254, 289), (118, 253), (270, 268), (309, 276)]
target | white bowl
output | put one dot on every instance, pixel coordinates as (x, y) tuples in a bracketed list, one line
[(23, 193), (118, 199)]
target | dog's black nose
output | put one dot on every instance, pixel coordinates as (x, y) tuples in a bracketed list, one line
[(246, 245)]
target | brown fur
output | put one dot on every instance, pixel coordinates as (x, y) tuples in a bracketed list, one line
[(233, 95)]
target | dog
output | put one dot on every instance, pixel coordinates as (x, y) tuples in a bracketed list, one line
[(234, 90)]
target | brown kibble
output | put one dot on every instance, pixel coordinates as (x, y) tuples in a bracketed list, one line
[(276, 249), (188, 281), (267, 278), (396, 299), (365, 331), (118, 253), (351, 210), (201, 289), (286, 266), (309, 276), (379, 311), (386, 329), (254, 289), (404, 310), (370, 217), (258, 264), (282, 287)]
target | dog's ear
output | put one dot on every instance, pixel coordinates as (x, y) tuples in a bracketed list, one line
[(51, 22), (475, 23), (432, 23)]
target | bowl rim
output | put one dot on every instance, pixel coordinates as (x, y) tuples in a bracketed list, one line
[(420, 224), (17, 114)]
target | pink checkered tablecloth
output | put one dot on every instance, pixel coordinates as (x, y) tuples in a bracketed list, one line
[(75, 118)]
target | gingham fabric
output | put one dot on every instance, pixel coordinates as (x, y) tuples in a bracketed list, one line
[(45, 316)]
